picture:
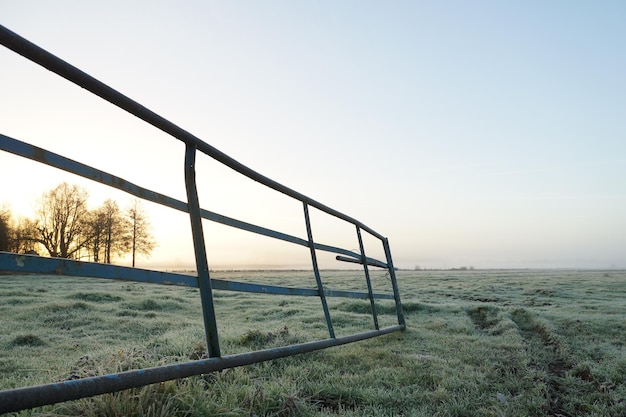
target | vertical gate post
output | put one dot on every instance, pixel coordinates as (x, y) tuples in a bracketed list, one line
[(370, 292), (202, 265), (316, 271), (394, 283)]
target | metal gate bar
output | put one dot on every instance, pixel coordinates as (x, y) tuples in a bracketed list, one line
[(316, 271), (394, 282), (33, 264), (370, 292), (202, 265)]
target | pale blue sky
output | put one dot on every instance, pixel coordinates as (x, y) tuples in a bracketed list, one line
[(490, 134)]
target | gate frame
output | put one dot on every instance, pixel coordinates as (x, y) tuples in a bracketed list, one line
[(34, 396)]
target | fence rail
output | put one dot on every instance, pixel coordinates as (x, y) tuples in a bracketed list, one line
[(21, 398)]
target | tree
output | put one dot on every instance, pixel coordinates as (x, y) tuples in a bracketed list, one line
[(141, 240), (61, 222), (95, 230), (24, 236), (117, 239), (5, 229), (17, 236), (66, 228)]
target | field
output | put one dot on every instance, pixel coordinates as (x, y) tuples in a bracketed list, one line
[(478, 343)]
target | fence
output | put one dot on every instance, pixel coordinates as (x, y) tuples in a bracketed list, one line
[(29, 397)]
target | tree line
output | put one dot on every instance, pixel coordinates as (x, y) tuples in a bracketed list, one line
[(64, 227)]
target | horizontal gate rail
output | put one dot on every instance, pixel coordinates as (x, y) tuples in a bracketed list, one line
[(28, 397), (32, 264)]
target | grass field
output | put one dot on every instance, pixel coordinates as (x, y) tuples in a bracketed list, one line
[(478, 343)]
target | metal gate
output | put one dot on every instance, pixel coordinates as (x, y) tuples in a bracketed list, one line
[(29, 397)]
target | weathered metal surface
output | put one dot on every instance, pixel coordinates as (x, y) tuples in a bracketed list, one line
[(370, 261), (23, 398), (367, 278), (394, 282), (202, 266), (316, 271), (52, 159), (303, 292), (33, 264)]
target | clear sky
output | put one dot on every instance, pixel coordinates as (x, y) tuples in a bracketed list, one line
[(487, 134)]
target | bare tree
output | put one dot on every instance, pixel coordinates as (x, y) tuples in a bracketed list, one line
[(108, 231), (5, 229), (65, 227), (23, 237), (61, 220), (18, 236), (141, 240), (116, 231), (95, 230)]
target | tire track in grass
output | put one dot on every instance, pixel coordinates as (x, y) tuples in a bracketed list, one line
[(484, 317), (490, 320), (549, 355), (570, 388)]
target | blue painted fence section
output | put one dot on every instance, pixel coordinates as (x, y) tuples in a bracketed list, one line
[(19, 399), (23, 263)]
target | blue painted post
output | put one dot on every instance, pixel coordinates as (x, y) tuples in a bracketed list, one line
[(316, 271), (204, 280), (367, 277), (394, 282)]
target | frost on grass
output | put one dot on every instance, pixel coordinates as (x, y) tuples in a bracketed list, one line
[(256, 339)]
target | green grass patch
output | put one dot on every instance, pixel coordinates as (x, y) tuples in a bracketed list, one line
[(256, 339), (95, 297), (26, 340), (478, 343)]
